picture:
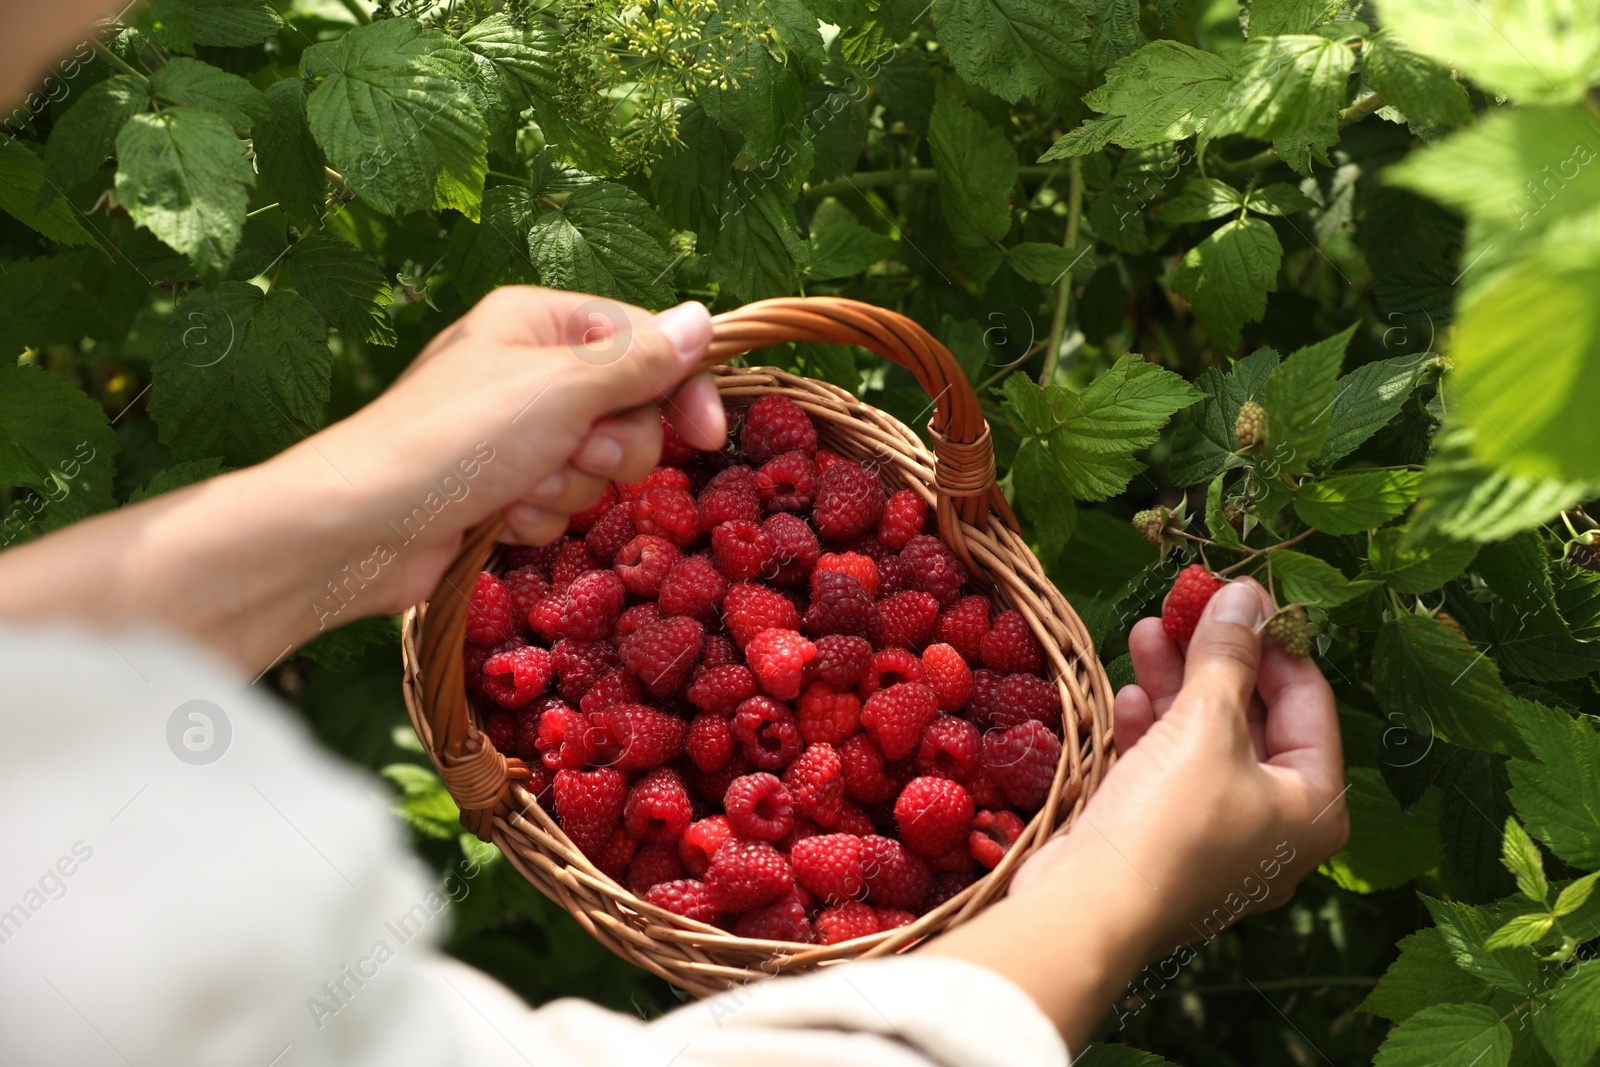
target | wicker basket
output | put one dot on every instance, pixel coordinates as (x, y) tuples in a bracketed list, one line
[(973, 518)]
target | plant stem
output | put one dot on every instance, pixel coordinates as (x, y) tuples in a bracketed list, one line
[(117, 61), (1058, 322), (1268, 156), (1256, 553), (879, 179), (358, 11)]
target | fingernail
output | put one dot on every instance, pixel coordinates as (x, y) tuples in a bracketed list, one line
[(687, 326), (600, 454), (551, 487), (1236, 602)]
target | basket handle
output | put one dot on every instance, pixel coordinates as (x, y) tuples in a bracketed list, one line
[(476, 774)]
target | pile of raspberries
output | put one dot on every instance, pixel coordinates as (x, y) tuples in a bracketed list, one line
[(755, 692)]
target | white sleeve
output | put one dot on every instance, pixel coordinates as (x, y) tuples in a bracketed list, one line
[(186, 878)]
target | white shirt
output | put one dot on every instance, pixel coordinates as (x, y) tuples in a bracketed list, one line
[(261, 909)]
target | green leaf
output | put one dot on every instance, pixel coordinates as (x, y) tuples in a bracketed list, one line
[(1424, 975), (1568, 1023), (604, 240), (239, 371), (758, 249), (1308, 146), (796, 27), (186, 81), (1016, 48), (1466, 930), (1203, 446), (1166, 91), (395, 119), (1279, 199), (1357, 501), (1388, 847), (763, 99), (1121, 411), (1283, 86), (524, 57), (1448, 1035), (494, 250), (1475, 808), (54, 439), (86, 135), (288, 161), (1365, 400), (186, 472), (1217, 524), (1118, 220), (1114, 31), (1043, 487), (1227, 278), (1308, 580), (345, 285), (1422, 89), (24, 196), (1298, 397), (1465, 499), (1264, 18), (1521, 857), (1416, 565), (1558, 797), (1041, 262), (1028, 406), (1087, 139), (1539, 51), (424, 802), (1575, 895), (182, 24), (691, 182), (838, 123), (977, 168), (182, 174), (1202, 199), (845, 248), (1521, 931), (1103, 1055), (1420, 664), (1518, 569)]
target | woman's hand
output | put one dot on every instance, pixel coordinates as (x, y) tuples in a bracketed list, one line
[(527, 406), (1228, 790)]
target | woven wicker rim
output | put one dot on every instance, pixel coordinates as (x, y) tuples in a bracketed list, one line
[(957, 478)]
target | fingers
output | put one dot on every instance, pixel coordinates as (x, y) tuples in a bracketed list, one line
[(527, 524), (1220, 668), (1302, 727), (695, 410), (642, 362), (1157, 663), (1132, 716), (623, 448), (567, 491)]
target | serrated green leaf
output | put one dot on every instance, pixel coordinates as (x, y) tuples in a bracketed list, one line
[(82, 139), (1103, 1055), (1416, 565), (1365, 400), (1521, 857), (845, 248), (1568, 1024), (1360, 500), (1424, 975), (1283, 86), (1448, 1035), (1043, 488), (1388, 847), (1123, 410), (289, 165), (977, 168), (54, 439), (239, 370), (1298, 397), (1017, 48), (1540, 650), (797, 27), (1575, 895), (1415, 84), (1463, 498), (1474, 809), (1279, 199), (424, 802), (1202, 199), (1091, 137), (494, 250), (182, 24), (1217, 524), (763, 100), (1520, 932), (1204, 444), (345, 285), (758, 250), (1227, 278), (394, 118), (884, 24), (1041, 262), (1420, 664), (25, 196), (186, 472), (525, 57), (1308, 580), (691, 182), (1166, 91), (1264, 18), (186, 81), (1466, 930), (1118, 220), (1558, 797), (1027, 406), (604, 240), (182, 175), (1578, 599), (1539, 51), (1518, 569), (1113, 31), (1309, 146), (837, 120)]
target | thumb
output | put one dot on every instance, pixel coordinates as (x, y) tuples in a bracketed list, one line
[(1220, 667), (645, 360)]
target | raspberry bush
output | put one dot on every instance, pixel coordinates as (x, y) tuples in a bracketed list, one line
[(1365, 226)]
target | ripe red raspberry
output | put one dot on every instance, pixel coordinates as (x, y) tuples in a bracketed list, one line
[(854, 821), (589, 805), (616, 686), (830, 866), (512, 679), (473, 657), (902, 518), (906, 619), (980, 709), (815, 781), (947, 886), (658, 809), (759, 806), (719, 651), (675, 451), (1010, 647), (729, 497), (609, 533), (489, 613), (693, 588), (893, 918), (786, 483), (950, 748), (669, 512), (993, 834), (839, 605), (614, 854), (853, 564), (767, 733), (849, 501), (658, 478), (541, 557), (928, 564), (636, 737), (653, 862), (827, 715), (643, 563), (842, 660), (934, 815), (747, 609), (963, 627), (1191, 591), (845, 922), (527, 586), (701, 841), (594, 600), (895, 717), (571, 560), (1022, 761), (826, 458), (722, 689), (803, 828), (663, 653), (581, 522), (710, 785), (958, 858), (986, 792), (539, 786), (501, 727), (891, 667), (794, 549), (745, 873), (579, 664), (710, 741), (634, 619), (895, 876), (565, 741), (778, 659), (775, 425), (549, 616), (949, 675), (686, 897), (861, 764), (743, 550), (782, 920), (1025, 696)]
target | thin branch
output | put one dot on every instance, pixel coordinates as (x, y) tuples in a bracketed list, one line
[(358, 11), (880, 179), (1058, 321), (1268, 156), (117, 61)]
